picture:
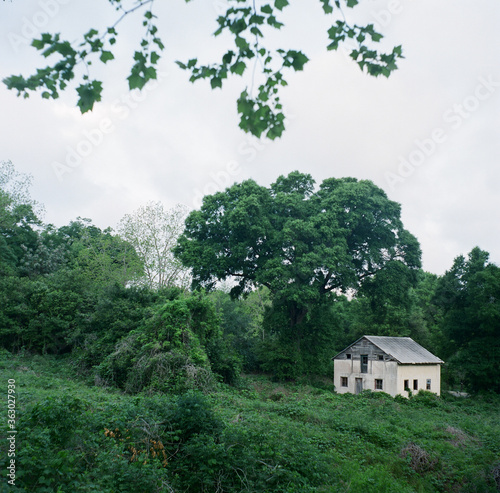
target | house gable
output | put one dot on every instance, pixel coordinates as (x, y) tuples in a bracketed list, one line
[(404, 350), (364, 346)]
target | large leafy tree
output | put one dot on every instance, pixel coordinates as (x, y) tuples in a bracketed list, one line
[(247, 24), (302, 243)]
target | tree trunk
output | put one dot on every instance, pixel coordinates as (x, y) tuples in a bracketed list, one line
[(297, 314)]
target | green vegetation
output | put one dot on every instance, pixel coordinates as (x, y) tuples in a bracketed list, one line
[(121, 382), (291, 253), (260, 436)]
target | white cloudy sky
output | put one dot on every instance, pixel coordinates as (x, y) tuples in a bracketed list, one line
[(176, 141)]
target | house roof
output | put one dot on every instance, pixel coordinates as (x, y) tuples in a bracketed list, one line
[(403, 349)]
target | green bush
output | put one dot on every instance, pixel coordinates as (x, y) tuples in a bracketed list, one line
[(426, 398)]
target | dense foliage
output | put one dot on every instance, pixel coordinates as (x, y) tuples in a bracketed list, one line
[(151, 392), (304, 245), (290, 251), (260, 437)]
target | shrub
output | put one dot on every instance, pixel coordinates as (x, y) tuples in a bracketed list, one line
[(194, 416), (426, 398), (224, 359), (418, 459)]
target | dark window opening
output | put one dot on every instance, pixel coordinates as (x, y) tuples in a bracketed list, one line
[(415, 384), (378, 384), (428, 385), (348, 356), (344, 381), (407, 385), (381, 357), (364, 363)]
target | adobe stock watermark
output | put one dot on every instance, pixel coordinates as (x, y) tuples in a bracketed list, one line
[(453, 118), (222, 6), (12, 431), (32, 26), (384, 17), (223, 178), (94, 137)]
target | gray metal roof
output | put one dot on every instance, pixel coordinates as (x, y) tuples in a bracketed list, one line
[(403, 349)]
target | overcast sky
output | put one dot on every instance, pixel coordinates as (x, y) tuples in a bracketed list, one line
[(428, 135)]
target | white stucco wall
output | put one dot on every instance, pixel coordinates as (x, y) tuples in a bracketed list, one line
[(392, 375), (384, 370), (421, 373)]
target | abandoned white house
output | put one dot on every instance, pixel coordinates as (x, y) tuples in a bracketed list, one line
[(387, 364)]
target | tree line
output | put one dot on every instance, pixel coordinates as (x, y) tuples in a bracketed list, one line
[(271, 279)]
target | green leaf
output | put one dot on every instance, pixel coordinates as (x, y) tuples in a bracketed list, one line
[(241, 43), (106, 56), (216, 82), (91, 34), (88, 95), (280, 4), (298, 59), (226, 59), (150, 73), (136, 81), (327, 8), (154, 57), (158, 42), (38, 44), (238, 68)]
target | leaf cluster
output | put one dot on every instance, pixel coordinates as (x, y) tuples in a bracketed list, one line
[(55, 78), (259, 104)]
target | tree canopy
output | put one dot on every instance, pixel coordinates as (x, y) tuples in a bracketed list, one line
[(305, 244), (299, 242), (469, 294), (246, 23)]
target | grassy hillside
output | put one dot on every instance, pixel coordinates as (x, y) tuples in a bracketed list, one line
[(260, 437)]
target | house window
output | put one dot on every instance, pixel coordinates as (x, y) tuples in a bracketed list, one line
[(415, 384), (381, 357), (428, 384), (348, 356), (378, 384), (344, 381), (364, 363), (407, 385)]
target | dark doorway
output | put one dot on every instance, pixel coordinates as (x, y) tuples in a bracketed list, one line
[(359, 386)]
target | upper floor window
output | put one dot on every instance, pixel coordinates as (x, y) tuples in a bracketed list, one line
[(364, 363), (348, 356)]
